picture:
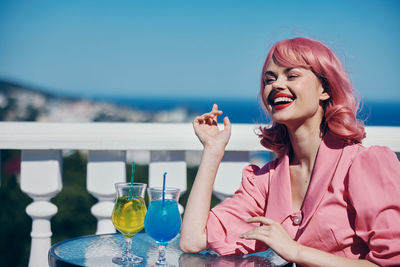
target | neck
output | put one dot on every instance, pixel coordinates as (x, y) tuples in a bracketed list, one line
[(305, 143)]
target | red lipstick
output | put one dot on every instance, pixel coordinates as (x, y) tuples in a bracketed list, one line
[(281, 100)]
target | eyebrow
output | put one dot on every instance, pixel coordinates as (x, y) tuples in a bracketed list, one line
[(271, 73)]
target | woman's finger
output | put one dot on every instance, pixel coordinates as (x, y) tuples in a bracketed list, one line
[(198, 120), (227, 126), (212, 114), (205, 117), (260, 219), (257, 232), (227, 122), (215, 110), (211, 121), (256, 236), (210, 118)]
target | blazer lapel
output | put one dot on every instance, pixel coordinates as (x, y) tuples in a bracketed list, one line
[(329, 154), (279, 194)]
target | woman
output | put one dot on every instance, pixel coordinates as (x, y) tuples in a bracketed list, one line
[(326, 200)]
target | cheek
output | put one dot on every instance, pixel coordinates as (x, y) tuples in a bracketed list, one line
[(265, 94), (264, 99)]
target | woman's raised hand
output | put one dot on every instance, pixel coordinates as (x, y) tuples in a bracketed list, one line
[(206, 129), (193, 233)]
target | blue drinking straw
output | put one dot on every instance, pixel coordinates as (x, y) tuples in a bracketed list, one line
[(163, 188), (132, 174)]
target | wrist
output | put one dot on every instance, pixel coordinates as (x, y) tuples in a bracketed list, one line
[(214, 151), (298, 255)]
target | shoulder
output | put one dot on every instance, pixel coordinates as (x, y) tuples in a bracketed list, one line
[(253, 171), (375, 150), (369, 157), (374, 167), (255, 176), (374, 194)]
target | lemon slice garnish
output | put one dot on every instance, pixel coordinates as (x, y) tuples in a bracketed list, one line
[(127, 206)]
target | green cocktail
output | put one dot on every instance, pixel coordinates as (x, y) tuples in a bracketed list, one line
[(128, 217)]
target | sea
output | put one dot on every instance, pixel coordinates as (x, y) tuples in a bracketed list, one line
[(249, 111)]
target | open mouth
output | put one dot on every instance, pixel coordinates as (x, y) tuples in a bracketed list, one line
[(280, 100)]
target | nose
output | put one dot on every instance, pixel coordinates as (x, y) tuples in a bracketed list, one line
[(278, 84)]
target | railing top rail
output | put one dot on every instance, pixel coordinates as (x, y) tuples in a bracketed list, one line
[(144, 136), (116, 136)]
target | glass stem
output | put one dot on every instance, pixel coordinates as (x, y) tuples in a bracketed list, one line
[(128, 249), (161, 255)]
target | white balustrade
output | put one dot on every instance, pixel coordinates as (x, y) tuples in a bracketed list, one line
[(41, 180), (229, 175), (171, 162), (108, 145), (104, 169)]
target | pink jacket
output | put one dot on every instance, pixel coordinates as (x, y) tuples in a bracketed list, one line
[(352, 207)]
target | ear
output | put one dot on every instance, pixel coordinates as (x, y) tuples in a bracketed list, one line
[(324, 94)]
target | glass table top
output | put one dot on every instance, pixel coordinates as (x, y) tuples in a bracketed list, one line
[(98, 250)]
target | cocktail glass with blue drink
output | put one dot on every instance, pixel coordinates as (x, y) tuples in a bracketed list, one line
[(163, 220)]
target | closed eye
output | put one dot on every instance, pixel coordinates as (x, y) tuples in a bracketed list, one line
[(269, 80), (292, 73), (269, 77)]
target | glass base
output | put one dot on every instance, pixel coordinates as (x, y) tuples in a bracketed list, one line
[(162, 260), (161, 264), (125, 260)]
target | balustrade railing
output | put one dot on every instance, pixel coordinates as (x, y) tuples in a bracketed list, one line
[(168, 146)]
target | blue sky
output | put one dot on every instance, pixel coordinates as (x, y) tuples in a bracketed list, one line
[(178, 49)]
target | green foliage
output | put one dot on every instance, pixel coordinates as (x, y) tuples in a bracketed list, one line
[(15, 223), (74, 202)]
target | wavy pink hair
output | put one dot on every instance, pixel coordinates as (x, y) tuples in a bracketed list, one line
[(340, 109)]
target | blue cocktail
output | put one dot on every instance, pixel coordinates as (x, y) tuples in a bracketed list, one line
[(163, 220)]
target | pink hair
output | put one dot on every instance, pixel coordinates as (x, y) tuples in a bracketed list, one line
[(340, 109)]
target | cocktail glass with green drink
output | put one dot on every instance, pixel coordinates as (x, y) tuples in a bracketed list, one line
[(128, 217)]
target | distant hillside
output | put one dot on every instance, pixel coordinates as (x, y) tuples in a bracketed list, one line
[(20, 103)]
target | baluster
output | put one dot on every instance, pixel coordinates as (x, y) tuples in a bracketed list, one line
[(103, 170), (172, 162), (229, 174), (41, 180)]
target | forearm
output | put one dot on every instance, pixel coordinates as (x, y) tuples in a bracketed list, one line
[(307, 256), (193, 233)]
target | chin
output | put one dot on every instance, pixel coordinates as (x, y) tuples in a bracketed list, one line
[(280, 118), (280, 121)]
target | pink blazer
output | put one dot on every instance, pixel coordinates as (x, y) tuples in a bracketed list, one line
[(351, 209)]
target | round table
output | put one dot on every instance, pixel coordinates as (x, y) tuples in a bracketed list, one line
[(98, 250)]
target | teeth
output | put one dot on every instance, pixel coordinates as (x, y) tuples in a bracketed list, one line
[(282, 99)]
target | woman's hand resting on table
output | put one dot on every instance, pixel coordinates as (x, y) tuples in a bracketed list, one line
[(275, 236), (206, 129)]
